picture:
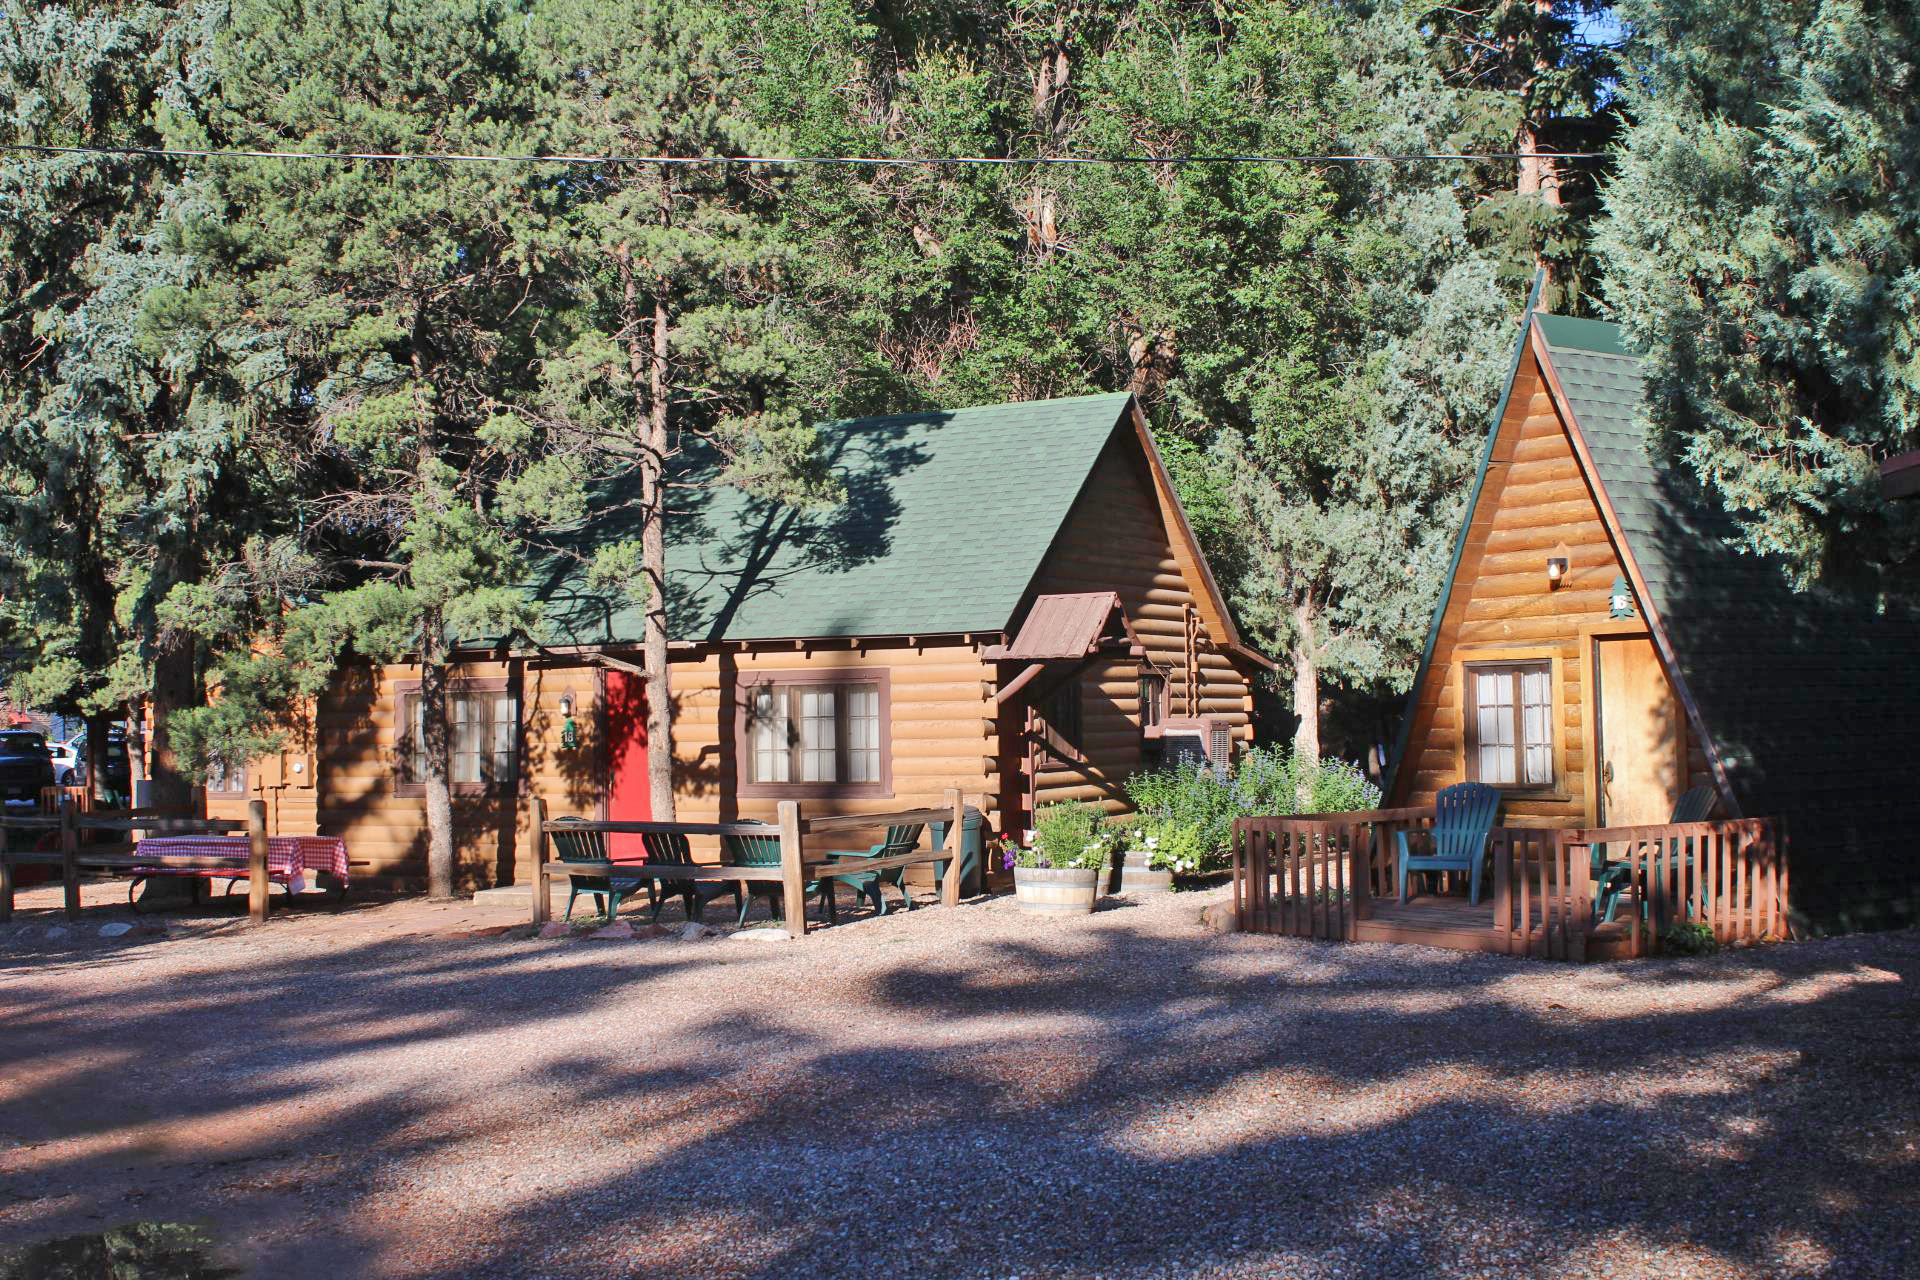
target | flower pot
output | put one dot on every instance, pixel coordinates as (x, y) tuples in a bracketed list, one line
[(1136, 877), (1056, 891)]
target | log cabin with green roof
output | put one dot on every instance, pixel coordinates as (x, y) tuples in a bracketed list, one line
[(1008, 600)]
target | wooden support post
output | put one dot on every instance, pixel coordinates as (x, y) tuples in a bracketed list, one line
[(1579, 866), (70, 855), (541, 887), (956, 841), (6, 880), (793, 876), (257, 861)]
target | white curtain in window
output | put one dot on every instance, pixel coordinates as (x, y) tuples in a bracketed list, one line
[(863, 734), (770, 735), (819, 739), (1493, 700), (1536, 702)]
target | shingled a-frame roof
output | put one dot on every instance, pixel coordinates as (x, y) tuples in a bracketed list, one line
[(1807, 703), (946, 519)]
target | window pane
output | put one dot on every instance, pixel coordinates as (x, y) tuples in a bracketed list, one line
[(819, 740), (1537, 724), (416, 739), (863, 733), (506, 725), (769, 736), (1493, 702), (464, 740)]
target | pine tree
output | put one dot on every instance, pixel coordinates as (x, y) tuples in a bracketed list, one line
[(410, 301), (125, 473), (1763, 249), (688, 332)]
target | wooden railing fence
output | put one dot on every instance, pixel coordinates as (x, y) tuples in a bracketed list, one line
[(76, 855), (792, 827), (1320, 876)]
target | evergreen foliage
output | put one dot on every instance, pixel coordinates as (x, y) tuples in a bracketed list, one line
[(1763, 249)]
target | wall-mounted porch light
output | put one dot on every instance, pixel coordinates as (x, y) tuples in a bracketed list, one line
[(569, 735), (1556, 572)]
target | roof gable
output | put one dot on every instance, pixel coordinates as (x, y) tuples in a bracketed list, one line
[(946, 519)]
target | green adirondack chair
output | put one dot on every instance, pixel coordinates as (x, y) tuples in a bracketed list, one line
[(671, 846), (764, 851), (609, 891), (1463, 817), (1610, 879), (899, 840)]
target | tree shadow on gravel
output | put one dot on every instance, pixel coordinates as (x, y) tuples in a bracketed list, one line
[(1085, 1100)]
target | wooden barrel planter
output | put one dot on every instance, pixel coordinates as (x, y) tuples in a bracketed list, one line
[(1056, 891), (1136, 877)]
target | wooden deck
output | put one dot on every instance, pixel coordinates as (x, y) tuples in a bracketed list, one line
[(1449, 921)]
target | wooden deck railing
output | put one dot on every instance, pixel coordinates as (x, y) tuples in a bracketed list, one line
[(1320, 876), (794, 870)]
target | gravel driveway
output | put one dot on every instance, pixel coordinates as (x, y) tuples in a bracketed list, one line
[(395, 1092)]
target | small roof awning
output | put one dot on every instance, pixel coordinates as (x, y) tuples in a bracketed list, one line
[(1069, 626)]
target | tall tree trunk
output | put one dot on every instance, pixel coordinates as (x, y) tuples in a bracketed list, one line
[(99, 724), (1538, 174), (439, 793), (1306, 693), (653, 554), (174, 687), (648, 350)]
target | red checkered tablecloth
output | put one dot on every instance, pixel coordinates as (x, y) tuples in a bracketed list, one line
[(286, 855)]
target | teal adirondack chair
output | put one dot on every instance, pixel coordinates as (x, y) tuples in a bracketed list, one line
[(1610, 879), (671, 846), (1463, 817), (764, 851), (899, 840), (608, 891)]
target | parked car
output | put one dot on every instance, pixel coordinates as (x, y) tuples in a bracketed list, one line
[(26, 765), (118, 775), (68, 761)]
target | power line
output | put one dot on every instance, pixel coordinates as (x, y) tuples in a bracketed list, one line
[(192, 153)]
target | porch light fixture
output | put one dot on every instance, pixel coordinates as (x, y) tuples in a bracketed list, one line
[(569, 735), (1620, 601), (1556, 572)]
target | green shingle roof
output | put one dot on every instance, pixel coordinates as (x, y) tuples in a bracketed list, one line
[(946, 519), (1810, 697)]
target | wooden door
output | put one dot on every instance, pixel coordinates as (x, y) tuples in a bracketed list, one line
[(1641, 756), (629, 794)]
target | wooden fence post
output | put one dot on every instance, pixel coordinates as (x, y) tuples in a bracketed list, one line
[(793, 875), (956, 838), (541, 887), (257, 861), (1580, 895), (70, 856)]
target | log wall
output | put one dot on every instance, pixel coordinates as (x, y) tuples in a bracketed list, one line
[(1116, 539), (1534, 503)]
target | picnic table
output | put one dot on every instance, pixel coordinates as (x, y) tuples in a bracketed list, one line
[(293, 861)]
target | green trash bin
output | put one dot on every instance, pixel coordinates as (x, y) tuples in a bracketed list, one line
[(973, 837)]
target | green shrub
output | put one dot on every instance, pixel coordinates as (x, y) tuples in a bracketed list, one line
[(1068, 834), (1184, 813), (1689, 939)]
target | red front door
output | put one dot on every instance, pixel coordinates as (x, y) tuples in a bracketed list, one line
[(629, 798)]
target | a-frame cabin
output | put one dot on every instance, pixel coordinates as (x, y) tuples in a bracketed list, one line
[(1601, 647)]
